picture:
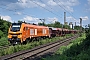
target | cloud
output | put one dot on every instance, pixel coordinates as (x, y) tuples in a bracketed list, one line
[(7, 18), (85, 18), (87, 6), (52, 3), (70, 18), (18, 13), (64, 4), (88, 9), (52, 20), (21, 4), (35, 20), (68, 8), (31, 19), (88, 2)]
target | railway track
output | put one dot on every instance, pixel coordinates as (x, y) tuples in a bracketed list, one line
[(40, 50)]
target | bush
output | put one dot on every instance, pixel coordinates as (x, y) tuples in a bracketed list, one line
[(1, 34), (74, 51), (4, 41)]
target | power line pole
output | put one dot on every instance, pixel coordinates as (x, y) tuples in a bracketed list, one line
[(43, 20), (75, 23), (81, 24), (64, 18)]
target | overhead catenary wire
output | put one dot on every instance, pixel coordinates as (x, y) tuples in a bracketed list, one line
[(64, 6), (42, 7), (27, 14), (38, 5), (45, 8), (65, 9), (15, 10), (49, 7), (21, 13)]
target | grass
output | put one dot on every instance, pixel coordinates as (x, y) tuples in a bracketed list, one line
[(13, 49), (70, 52)]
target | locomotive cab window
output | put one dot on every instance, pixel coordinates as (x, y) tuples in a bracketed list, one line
[(31, 31), (15, 27), (44, 31), (26, 28)]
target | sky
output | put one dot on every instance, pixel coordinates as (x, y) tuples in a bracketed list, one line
[(32, 11)]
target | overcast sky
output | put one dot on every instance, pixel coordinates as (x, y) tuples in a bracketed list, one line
[(50, 10)]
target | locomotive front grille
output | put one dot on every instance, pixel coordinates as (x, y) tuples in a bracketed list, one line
[(14, 38)]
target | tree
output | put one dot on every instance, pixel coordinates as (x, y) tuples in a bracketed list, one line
[(20, 21), (4, 26), (57, 24), (77, 27), (39, 23), (66, 26), (1, 33)]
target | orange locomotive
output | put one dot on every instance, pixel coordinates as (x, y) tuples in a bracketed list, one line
[(21, 32)]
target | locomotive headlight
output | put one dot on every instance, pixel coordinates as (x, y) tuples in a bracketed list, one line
[(19, 36), (9, 36)]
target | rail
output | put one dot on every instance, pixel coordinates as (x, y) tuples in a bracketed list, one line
[(35, 51)]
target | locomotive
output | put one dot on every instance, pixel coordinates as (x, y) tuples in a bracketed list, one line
[(23, 32)]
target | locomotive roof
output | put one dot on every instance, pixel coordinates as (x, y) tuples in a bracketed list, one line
[(37, 26), (16, 23)]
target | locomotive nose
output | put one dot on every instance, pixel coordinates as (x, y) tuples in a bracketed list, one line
[(15, 37)]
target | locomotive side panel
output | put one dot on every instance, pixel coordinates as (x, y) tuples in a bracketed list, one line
[(42, 31), (34, 31)]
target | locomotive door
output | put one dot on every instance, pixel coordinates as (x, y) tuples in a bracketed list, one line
[(25, 33)]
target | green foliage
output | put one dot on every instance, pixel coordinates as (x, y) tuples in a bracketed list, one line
[(83, 56), (56, 25), (61, 50), (66, 26), (4, 41), (78, 28), (19, 21), (1, 33), (76, 50), (42, 24), (56, 57), (50, 25), (13, 49), (4, 26)]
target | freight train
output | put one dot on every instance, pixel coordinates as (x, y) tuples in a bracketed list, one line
[(23, 32)]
